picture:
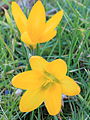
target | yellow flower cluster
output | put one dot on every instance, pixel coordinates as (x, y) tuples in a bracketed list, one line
[(47, 81)]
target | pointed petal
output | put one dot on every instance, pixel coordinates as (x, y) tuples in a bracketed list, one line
[(31, 100), (53, 99), (38, 63), (28, 80), (53, 22), (69, 86), (36, 20), (19, 17), (47, 37), (57, 68)]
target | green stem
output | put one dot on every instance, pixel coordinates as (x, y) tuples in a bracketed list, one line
[(38, 49), (28, 55)]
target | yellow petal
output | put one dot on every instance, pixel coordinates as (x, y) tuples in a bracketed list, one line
[(28, 80), (49, 30), (38, 63), (26, 38), (20, 18), (47, 37), (36, 20), (53, 22), (53, 99), (31, 100), (69, 86), (57, 68)]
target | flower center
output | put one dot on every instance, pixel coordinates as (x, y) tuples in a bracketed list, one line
[(51, 77), (49, 80)]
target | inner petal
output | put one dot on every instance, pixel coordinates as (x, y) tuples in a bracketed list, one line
[(57, 68)]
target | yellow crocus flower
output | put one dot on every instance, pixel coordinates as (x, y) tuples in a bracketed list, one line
[(35, 29), (46, 82)]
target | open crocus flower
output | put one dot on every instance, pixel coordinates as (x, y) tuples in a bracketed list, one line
[(35, 29), (46, 82)]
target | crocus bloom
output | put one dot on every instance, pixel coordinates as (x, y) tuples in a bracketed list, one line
[(46, 82), (35, 29)]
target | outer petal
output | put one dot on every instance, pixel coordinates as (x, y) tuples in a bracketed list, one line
[(57, 68), (19, 17), (53, 99), (69, 86), (25, 38), (53, 22), (38, 63), (48, 37), (36, 20), (28, 80), (31, 100)]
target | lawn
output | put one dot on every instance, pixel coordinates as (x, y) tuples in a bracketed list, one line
[(72, 44)]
